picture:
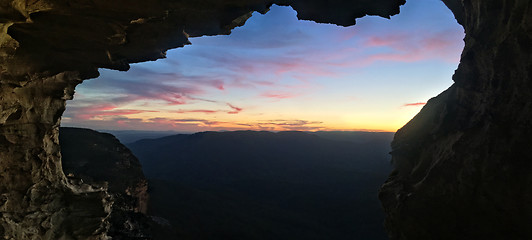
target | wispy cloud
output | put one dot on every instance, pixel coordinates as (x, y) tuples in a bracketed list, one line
[(198, 111), (279, 95), (94, 111), (395, 40), (184, 120), (282, 122), (414, 104), (411, 47), (236, 110), (232, 110), (290, 125)]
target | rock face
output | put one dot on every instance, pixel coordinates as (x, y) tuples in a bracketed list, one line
[(37, 201), (462, 163), (93, 157)]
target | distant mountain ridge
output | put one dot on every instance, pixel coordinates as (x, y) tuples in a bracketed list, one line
[(265, 185), (130, 136), (356, 136)]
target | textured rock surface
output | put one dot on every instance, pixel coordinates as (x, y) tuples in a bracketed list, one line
[(94, 157), (464, 162), (47, 47), (36, 199)]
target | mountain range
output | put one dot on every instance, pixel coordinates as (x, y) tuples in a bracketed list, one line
[(265, 185)]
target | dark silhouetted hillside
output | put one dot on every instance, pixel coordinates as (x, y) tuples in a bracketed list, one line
[(264, 185), (94, 158)]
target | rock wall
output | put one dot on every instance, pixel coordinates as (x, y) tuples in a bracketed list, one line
[(37, 201), (463, 163)]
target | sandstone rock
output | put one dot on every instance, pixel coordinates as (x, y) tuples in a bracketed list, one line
[(37, 201)]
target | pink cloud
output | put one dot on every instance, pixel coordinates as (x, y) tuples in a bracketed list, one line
[(197, 111), (236, 110), (392, 40), (397, 47), (188, 121), (407, 47), (438, 47), (279, 95), (123, 112), (304, 64), (414, 104), (395, 57), (218, 84), (98, 110)]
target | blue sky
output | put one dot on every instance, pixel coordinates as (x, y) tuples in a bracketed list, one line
[(280, 73)]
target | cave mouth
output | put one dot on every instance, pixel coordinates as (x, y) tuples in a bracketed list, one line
[(277, 73)]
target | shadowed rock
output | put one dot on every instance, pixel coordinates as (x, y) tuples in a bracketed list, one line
[(99, 158), (463, 163)]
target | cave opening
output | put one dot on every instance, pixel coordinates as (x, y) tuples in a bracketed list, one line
[(276, 73)]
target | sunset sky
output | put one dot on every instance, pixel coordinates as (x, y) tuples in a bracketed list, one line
[(279, 73)]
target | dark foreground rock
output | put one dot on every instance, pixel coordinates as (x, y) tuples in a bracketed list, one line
[(99, 158), (463, 163)]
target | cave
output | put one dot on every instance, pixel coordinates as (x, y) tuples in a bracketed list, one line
[(462, 164)]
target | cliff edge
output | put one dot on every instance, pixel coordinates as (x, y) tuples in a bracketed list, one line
[(99, 158)]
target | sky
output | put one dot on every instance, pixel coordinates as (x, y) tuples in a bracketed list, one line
[(279, 73)]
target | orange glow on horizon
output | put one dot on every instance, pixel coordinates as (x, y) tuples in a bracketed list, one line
[(196, 121)]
